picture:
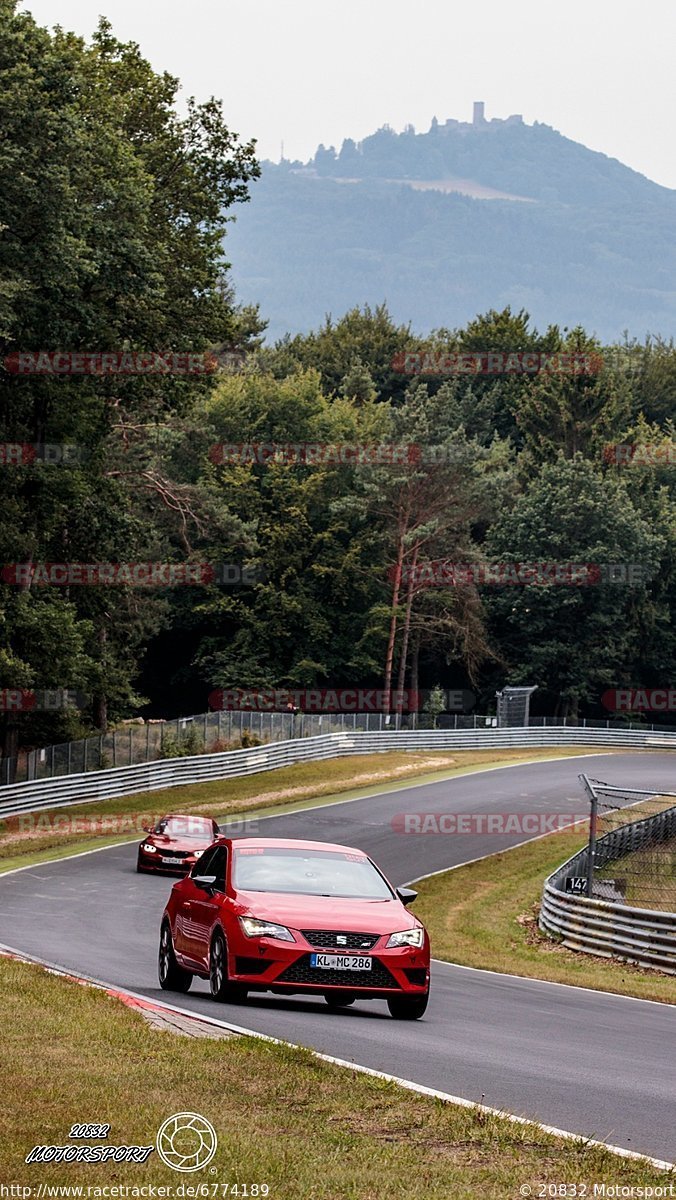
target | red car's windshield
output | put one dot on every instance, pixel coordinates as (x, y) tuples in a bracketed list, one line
[(308, 873), (187, 827)]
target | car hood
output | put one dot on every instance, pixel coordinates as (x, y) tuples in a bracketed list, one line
[(178, 843), (327, 912)]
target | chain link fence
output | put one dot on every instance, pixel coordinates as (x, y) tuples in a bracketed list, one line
[(207, 733), (634, 862)]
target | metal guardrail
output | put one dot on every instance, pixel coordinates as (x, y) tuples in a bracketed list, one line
[(206, 733), (640, 935), (40, 794)]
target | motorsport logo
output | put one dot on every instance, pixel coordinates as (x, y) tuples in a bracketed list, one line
[(89, 1153), (185, 1142)]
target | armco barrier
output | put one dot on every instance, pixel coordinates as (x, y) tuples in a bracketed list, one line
[(602, 927), (16, 798)]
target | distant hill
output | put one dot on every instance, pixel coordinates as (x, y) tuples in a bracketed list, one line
[(463, 218)]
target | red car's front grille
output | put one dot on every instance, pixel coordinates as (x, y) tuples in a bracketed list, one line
[(302, 972), (336, 939)]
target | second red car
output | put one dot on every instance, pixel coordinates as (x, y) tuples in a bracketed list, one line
[(175, 843)]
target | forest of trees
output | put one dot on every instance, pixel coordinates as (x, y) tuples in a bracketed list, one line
[(114, 211)]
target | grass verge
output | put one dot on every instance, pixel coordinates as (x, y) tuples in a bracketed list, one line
[(304, 1127), (485, 915), (37, 837)]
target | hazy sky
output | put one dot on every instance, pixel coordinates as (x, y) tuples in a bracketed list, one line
[(599, 71)]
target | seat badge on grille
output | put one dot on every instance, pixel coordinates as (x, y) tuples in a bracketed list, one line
[(341, 940)]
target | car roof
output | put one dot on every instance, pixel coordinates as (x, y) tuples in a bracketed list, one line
[(291, 844), (187, 817)]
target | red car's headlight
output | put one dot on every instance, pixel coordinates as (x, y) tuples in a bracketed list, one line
[(408, 937), (148, 848), (253, 927)]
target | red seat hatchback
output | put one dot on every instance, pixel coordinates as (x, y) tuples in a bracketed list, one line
[(271, 914)]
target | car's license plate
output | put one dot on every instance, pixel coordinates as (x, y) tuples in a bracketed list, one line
[(172, 860), (341, 962)]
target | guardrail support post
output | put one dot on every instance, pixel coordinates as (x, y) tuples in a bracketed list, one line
[(593, 816)]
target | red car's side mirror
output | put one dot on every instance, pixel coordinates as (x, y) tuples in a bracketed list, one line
[(204, 882)]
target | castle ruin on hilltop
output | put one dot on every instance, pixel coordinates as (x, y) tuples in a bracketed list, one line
[(478, 120)]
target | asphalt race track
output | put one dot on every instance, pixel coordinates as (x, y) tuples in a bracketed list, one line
[(594, 1064)]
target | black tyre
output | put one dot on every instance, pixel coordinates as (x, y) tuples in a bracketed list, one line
[(141, 869), (172, 977), (339, 999), (408, 1008), (221, 987)]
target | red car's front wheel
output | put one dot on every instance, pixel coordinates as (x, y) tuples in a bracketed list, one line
[(408, 1008), (339, 999), (221, 987), (172, 977)]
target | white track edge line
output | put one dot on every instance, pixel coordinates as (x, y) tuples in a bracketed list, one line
[(577, 987), (408, 1084)]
